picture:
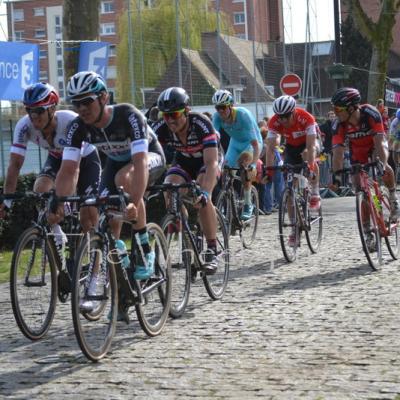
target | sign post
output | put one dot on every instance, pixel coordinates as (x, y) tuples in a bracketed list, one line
[(290, 84)]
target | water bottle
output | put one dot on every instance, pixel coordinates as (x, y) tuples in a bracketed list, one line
[(121, 248)]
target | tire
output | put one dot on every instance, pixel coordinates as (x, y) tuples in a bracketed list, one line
[(179, 251), (216, 284), (393, 239), (95, 329), (287, 224), (156, 291), (224, 205), (313, 222), (33, 297), (249, 228), (374, 253)]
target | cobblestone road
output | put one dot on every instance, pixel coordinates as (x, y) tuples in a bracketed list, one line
[(323, 327)]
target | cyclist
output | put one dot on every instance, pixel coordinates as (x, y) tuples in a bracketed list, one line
[(362, 127), (394, 135), (197, 157), (134, 156), (245, 143), (47, 128)]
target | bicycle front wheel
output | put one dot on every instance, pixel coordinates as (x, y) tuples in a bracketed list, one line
[(289, 233), (33, 284), (181, 257), (392, 239), (153, 311), (249, 227), (94, 297), (313, 229), (216, 284), (369, 232), (224, 205)]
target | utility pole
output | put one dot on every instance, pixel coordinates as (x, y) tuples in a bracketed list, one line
[(130, 49), (178, 42), (219, 44)]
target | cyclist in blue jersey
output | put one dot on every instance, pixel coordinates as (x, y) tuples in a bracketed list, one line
[(245, 143)]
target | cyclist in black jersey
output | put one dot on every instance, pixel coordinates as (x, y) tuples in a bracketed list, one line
[(134, 156), (197, 157)]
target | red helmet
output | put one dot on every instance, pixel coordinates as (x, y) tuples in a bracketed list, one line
[(345, 97), (40, 94)]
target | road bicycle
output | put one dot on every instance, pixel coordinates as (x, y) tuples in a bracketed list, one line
[(40, 270), (188, 248), (116, 289), (230, 202), (295, 216), (373, 213)]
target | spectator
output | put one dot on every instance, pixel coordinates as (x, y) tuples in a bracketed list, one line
[(327, 129)]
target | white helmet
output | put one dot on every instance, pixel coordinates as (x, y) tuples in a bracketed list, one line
[(222, 97), (284, 105), (85, 82)]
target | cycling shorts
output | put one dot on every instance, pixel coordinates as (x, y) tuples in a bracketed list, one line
[(236, 150)]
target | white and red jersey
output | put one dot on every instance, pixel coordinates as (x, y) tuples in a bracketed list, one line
[(303, 125)]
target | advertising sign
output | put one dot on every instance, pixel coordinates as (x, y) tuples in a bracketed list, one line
[(93, 56)]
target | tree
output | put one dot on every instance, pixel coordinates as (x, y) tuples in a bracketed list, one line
[(357, 56), (81, 22), (154, 40), (380, 35)]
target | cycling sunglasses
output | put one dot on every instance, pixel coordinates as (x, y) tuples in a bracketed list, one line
[(86, 101), (339, 109), (36, 110), (285, 116), (221, 107), (173, 114)]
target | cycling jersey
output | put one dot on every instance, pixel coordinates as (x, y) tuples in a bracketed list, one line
[(25, 132), (395, 129), (303, 125), (200, 136), (126, 134), (360, 137)]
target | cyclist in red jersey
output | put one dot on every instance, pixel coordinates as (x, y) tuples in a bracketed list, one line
[(298, 127), (362, 128)]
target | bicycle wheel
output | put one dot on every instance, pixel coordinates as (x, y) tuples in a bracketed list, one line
[(180, 254), (249, 228), (313, 220), (393, 239), (224, 205), (156, 291), (95, 327), (216, 284), (33, 283), (369, 232), (289, 233)]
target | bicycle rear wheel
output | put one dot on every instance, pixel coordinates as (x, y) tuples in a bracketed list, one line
[(216, 284), (180, 254), (156, 291), (94, 326), (369, 232), (249, 228), (393, 239), (313, 220), (289, 232), (33, 283)]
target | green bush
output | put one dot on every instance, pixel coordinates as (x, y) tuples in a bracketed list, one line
[(21, 215)]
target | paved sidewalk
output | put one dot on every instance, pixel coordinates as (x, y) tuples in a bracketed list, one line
[(323, 327)]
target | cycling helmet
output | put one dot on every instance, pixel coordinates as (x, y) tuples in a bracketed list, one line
[(85, 82), (172, 99), (398, 114), (284, 105), (40, 94), (222, 97), (345, 97)]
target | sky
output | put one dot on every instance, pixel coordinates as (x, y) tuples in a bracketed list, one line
[(320, 16), (3, 21)]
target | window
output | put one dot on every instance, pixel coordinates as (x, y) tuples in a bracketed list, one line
[(107, 29), (19, 36), (238, 18), (43, 76), (59, 50), (42, 53), (40, 33), (112, 50), (18, 15), (107, 7), (38, 12), (58, 30), (58, 20)]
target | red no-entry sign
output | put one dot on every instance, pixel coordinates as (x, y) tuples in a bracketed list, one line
[(290, 84)]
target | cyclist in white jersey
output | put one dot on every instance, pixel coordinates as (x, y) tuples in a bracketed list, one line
[(394, 136), (47, 128)]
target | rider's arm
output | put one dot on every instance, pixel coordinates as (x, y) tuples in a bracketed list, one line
[(210, 157), (14, 167), (256, 151), (310, 144), (67, 178), (337, 157)]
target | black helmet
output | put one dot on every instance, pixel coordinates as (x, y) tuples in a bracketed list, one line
[(172, 99), (345, 97)]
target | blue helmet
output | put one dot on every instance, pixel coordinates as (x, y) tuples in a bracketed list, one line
[(398, 114), (40, 94)]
